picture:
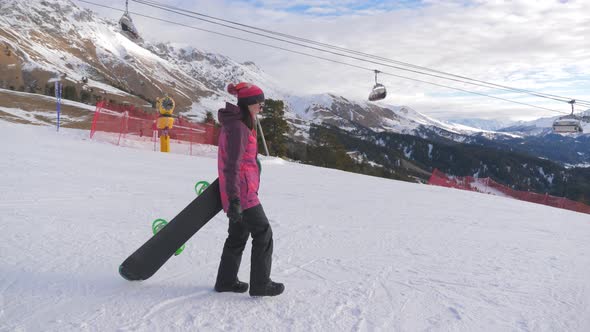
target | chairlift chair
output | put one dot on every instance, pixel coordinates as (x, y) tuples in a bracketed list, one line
[(379, 92), (569, 123), (126, 23)]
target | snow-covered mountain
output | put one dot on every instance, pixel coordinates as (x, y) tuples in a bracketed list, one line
[(349, 114), (55, 39), (484, 124)]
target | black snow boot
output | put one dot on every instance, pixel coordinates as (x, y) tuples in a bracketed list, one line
[(270, 289), (237, 287)]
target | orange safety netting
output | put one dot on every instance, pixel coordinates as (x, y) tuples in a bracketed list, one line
[(489, 186), (130, 126)]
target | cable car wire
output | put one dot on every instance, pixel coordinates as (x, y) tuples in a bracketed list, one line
[(322, 58), (459, 78), (184, 13)]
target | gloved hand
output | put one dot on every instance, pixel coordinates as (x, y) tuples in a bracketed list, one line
[(234, 212)]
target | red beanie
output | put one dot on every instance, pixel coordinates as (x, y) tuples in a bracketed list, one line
[(247, 93)]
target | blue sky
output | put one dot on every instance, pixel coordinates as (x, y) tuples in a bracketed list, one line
[(334, 8)]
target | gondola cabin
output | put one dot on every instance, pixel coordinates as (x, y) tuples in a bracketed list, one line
[(379, 92), (127, 25), (567, 125)]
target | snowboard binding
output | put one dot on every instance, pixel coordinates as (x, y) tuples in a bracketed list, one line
[(200, 187)]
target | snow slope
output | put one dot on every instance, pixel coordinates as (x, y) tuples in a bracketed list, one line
[(355, 252)]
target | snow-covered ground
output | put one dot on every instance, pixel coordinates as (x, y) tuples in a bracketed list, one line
[(355, 252)]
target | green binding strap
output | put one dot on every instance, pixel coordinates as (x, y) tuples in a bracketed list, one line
[(158, 224), (200, 187)]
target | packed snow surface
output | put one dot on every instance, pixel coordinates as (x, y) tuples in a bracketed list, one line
[(355, 252)]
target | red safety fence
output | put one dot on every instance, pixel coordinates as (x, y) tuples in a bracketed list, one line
[(127, 125), (489, 186)]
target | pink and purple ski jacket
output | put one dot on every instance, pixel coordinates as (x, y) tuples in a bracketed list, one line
[(238, 171)]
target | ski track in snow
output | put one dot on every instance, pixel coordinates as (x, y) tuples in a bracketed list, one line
[(356, 253)]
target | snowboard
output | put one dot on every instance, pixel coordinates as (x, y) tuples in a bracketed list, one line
[(157, 225), (150, 257)]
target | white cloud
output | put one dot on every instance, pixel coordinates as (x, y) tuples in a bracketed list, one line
[(540, 45)]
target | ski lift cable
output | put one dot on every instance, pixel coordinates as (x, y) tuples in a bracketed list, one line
[(538, 94), (320, 58), (326, 51), (487, 84), (579, 102), (182, 12), (478, 93)]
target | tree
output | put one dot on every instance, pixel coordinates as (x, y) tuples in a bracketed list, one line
[(275, 127), (329, 150), (209, 118)]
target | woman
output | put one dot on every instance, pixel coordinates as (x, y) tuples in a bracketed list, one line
[(239, 178)]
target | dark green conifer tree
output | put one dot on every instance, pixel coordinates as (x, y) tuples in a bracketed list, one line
[(275, 127)]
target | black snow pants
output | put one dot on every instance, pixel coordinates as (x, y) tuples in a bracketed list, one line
[(253, 222)]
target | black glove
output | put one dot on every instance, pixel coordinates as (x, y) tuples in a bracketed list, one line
[(234, 212)]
